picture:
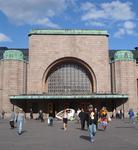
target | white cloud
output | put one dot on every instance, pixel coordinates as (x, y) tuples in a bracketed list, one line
[(96, 23), (105, 14), (118, 10), (120, 33), (4, 38), (94, 14), (128, 27), (115, 10), (87, 6), (91, 12), (46, 22), (32, 11)]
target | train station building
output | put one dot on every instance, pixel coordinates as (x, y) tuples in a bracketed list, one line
[(68, 69)]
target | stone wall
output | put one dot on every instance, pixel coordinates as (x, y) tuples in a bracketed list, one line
[(45, 49), (124, 81), (13, 80)]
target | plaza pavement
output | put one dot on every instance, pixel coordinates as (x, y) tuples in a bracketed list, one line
[(120, 135)]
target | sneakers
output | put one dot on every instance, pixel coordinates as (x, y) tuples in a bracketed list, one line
[(19, 133), (92, 141), (65, 129)]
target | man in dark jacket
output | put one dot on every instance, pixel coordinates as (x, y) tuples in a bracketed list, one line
[(96, 117), (31, 113), (82, 116)]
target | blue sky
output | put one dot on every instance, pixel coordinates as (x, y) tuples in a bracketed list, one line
[(118, 17)]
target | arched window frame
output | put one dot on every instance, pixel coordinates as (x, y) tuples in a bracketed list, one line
[(58, 62)]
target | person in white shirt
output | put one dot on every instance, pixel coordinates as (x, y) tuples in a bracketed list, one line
[(65, 119), (77, 115)]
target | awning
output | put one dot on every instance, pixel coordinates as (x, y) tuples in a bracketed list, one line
[(50, 97)]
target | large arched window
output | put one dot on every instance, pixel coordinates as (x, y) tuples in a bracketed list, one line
[(69, 78)]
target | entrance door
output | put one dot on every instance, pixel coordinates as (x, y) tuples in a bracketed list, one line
[(50, 107)]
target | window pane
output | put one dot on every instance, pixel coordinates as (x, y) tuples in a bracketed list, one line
[(69, 78)]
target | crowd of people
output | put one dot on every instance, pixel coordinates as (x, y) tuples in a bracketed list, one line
[(91, 118), (101, 117), (17, 118), (118, 114)]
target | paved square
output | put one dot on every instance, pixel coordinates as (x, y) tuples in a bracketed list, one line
[(120, 135)]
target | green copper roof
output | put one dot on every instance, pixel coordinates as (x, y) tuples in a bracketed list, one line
[(92, 96), (69, 32), (123, 55), (13, 55)]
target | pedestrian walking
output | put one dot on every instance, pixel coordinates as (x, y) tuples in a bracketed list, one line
[(50, 119), (65, 119), (96, 117), (131, 116), (41, 116), (137, 115), (104, 117), (3, 114), (82, 116), (13, 119), (31, 113), (77, 115), (20, 121), (114, 114), (118, 114), (92, 123), (121, 114)]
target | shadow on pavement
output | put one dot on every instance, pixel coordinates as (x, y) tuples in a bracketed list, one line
[(24, 131), (100, 129), (124, 127), (87, 138), (81, 129)]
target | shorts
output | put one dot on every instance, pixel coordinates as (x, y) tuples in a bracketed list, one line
[(65, 120)]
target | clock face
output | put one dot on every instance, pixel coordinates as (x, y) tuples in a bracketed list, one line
[(92, 115)]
